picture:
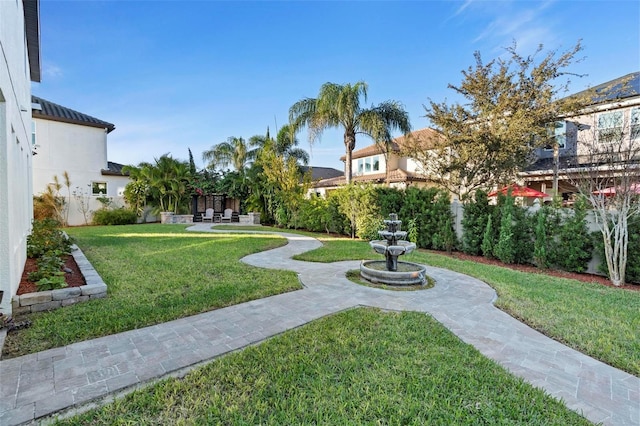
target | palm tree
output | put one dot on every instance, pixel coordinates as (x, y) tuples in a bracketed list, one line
[(285, 145), (233, 152), (339, 106)]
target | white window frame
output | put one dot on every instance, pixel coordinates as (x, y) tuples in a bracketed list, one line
[(33, 132), (96, 185), (609, 122), (376, 164), (360, 166), (367, 165)]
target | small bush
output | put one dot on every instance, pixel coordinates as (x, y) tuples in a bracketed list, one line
[(49, 245), (46, 237), (120, 216)]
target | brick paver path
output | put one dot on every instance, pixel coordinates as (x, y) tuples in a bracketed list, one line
[(76, 376)]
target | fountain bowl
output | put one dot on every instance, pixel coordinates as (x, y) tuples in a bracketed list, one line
[(408, 273)]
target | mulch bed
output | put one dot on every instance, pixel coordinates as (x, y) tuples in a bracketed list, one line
[(587, 278), (74, 279)]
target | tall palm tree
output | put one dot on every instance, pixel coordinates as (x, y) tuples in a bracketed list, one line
[(340, 106), (234, 152)]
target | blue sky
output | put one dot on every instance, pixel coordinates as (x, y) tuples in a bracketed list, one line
[(173, 75)]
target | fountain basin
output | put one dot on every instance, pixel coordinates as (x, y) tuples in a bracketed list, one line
[(407, 274)]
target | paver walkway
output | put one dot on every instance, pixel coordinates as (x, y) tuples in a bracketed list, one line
[(42, 384)]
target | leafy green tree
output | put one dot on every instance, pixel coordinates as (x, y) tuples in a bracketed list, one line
[(574, 247), (340, 106), (508, 105)]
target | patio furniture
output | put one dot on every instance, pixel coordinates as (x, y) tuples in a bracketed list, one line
[(208, 215), (226, 217)]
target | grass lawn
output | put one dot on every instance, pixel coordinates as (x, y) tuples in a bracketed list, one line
[(155, 273), (361, 366), (599, 321)]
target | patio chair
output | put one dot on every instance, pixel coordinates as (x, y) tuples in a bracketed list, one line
[(226, 217), (208, 215)]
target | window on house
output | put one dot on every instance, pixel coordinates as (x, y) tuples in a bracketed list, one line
[(557, 131), (635, 123), (99, 188), (610, 127), (33, 132), (360, 166), (367, 165), (376, 163)]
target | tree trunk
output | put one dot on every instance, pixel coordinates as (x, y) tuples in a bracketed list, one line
[(349, 144)]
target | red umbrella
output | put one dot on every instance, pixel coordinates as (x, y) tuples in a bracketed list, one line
[(634, 187), (519, 191)]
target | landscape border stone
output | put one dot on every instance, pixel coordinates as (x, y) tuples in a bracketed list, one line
[(94, 288)]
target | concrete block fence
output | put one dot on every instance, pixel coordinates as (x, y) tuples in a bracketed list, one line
[(94, 288)]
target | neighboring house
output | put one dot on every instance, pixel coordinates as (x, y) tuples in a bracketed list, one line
[(68, 140), (19, 65), (613, 113), (369, 164)]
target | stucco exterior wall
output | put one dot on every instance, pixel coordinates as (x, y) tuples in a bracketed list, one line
[(81, 151), (15, 150)]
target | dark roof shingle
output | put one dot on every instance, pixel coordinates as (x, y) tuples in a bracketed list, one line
[(53, 111)]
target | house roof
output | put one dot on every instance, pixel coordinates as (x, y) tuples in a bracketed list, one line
[(31, 9), (423, 136), (319, 173), (113, 169), (397, 175), (627, 86), (55, 112)]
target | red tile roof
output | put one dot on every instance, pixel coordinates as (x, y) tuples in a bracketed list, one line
[(424, 137)]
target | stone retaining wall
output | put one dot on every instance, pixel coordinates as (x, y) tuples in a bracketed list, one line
[(170, 217), (94, 288)]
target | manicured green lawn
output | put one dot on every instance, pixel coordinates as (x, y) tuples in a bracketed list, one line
[(155, 273), (362, 366), (599, 321)]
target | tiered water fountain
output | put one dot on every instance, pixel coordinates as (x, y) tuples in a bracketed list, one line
[(391, 271)]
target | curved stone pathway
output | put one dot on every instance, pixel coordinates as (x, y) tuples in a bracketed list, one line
[(76, 376)]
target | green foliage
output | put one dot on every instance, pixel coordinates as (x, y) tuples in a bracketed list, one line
[(47, 237), (633, 250), (389, 200), (488, 239), (543, 241), (574, 245), (48, 244), (508, 100), (357, 203), (164, 184), (505, 248), (474, 223), (432, 213), (412, 230), (49, 275), (121, 216)]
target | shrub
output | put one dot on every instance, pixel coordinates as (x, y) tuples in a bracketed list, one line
[(505, 249), (121, 216), (576, 248), (46, 237), (474, 222), (49, 245), (487, 239)]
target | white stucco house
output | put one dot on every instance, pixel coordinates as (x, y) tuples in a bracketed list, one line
[(19, 65), (71, 141)]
